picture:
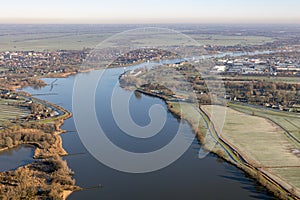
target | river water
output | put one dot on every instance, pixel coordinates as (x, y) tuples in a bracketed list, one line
[(187, 178)]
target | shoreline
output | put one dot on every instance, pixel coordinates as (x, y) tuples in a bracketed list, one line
[(275, 185), (56, 149), (58, 121), (66, 194), (271, 181)]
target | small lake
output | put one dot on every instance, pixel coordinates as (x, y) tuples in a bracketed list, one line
[(13, 158)]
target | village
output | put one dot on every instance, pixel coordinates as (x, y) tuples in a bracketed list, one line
[(33, 63)]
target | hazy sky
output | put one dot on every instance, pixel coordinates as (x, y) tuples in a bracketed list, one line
[(150, 11)]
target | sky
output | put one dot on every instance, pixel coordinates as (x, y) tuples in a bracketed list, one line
[(150, 11)]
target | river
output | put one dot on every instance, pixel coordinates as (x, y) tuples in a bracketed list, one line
[(187, 178)]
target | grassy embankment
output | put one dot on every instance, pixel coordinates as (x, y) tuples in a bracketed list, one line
[(285, 147), (265, 146), (259, 158)]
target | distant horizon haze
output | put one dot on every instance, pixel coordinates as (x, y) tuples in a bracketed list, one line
[(150, 12)]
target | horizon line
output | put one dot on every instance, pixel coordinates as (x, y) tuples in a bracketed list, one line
[(149, 23)]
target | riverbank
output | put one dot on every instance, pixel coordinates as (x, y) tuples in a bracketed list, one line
[(39, 126), (49, 173), (67, 193), (229, 152), (41, 152), (268, 151), (66, 74)]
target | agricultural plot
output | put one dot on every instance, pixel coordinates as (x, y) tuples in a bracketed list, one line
[(263, 143), (10, 112), (49, 42), (225, 40), (290, 122), (2, 69), (76, 38), (203, 39)]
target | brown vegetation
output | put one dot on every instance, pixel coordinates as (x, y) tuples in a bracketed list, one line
[(43, 179)]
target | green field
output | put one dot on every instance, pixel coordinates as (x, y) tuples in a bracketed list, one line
[(263, 143), (9, 112), (68, 39), (288, 121), (201, 39), (224, 40), (2, 69), (191, 113), (49, 42)]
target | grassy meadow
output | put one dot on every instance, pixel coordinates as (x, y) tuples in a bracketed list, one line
[(288, 121), (263, 143), (76, 37)]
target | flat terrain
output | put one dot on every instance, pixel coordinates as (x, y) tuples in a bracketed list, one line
[(49, 42), (287, 121), (228, 40), (192, 114), (263, 143), (2, 69), (268, 79), (76, 37), (9, 112), (212, 39)]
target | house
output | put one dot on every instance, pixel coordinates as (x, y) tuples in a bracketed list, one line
[(219, 69), (53, 114)]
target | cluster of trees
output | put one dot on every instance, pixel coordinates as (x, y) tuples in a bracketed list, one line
[(36, 108), (10, 139), (158, 88), (42, 127), (47, 128), (259, 92), (130, 81), (15, 81)]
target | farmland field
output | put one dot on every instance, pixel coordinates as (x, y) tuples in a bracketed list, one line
[(2, 69), (263, 143), (225, 40), (10, 112), (72, 37), (288, 121)]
